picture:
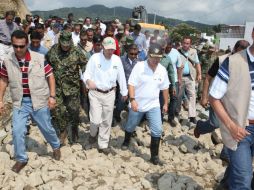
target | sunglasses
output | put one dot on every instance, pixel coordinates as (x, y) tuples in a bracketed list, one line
[(18, 46)]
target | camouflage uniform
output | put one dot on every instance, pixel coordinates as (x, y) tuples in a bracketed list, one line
[(66, 66), (207, 59), (83, 91)]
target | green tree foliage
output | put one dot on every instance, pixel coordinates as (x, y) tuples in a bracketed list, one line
[(177, 33), (217, 28)]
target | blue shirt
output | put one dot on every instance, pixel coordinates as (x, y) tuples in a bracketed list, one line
[(186, 69), (42, 50), (176, 60), (140, 41)]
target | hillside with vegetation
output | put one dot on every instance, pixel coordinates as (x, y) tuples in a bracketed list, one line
[(122, 13)]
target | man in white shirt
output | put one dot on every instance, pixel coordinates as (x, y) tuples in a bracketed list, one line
[(54, 33), (87, 23), (102, 26), (146, 81), (102, 72), (75, 34)]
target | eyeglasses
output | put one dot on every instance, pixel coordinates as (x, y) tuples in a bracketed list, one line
[(18, 46)]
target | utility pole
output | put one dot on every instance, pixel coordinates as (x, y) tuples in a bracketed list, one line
[(154, 18)]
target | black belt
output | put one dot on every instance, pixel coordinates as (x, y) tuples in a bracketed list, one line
[(5, 43), (104, 91), (251, 121)]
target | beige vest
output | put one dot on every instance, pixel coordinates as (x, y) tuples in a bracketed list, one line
[(38, 84), (192, 53), (237, 98)]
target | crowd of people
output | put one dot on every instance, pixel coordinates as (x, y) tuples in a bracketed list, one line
[(56, 68)]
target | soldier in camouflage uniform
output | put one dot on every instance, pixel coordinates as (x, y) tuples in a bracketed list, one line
[(67, 61), (207, 58)]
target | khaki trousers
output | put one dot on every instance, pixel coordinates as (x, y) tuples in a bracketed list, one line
[(189, 85), (101, 113)]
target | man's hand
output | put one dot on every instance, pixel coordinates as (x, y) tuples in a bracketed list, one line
[(204, 102), (51, 103), (91, 85), (134, 105), (237, 132), (1, 108), (199, 77), (165, 108), (124, 98)]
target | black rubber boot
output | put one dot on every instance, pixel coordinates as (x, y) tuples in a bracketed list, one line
[(154, 148), (74, 135), (126, 141)]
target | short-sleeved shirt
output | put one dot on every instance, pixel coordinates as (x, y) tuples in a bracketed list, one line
[(24, 66), (140, 41), (147, 84), (219, 86), (176, 60), (186, 69)]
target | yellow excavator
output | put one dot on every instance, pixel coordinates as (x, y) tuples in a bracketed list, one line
[(140, 16)]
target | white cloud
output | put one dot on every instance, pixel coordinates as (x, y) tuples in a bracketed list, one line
[(206, 11)]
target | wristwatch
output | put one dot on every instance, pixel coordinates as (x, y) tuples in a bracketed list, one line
[(52, 97), (131, 99)]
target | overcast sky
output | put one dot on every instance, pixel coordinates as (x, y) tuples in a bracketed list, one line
[(205, 11)]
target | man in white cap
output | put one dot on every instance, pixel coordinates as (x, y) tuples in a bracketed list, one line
[(102, 72)]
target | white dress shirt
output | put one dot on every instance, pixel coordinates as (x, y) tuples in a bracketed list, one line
[(104, 73), (75, 38)]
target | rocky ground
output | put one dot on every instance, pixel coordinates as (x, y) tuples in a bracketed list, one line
[(191, 163)]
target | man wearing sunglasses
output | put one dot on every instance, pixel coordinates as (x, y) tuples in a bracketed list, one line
[(128, 61), (34, 96)]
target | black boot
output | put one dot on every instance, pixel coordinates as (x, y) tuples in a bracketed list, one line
[(154, 148), (126, 141), (74, 134)]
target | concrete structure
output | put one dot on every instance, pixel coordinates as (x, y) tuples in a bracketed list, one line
[(231, 34)]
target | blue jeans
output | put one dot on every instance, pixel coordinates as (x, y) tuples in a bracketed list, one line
[(43, 120), (240, 167), (209, 125), (119, 103), (173, 102), (154, 121)]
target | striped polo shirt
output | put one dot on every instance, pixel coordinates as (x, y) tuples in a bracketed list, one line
[(24, 66)]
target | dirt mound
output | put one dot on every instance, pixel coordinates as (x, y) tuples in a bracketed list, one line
[(17, 5)]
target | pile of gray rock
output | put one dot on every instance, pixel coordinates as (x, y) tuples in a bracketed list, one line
[(191, 164)]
